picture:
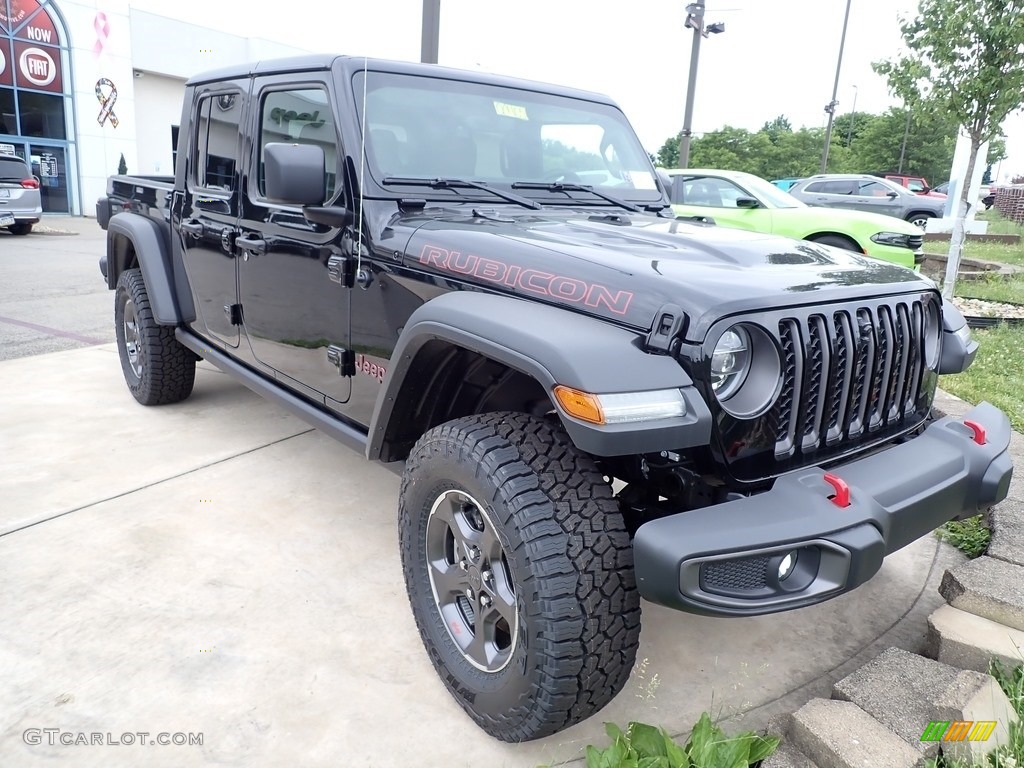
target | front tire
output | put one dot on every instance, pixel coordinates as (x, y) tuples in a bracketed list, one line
[(920, 219), (519, 571), (157, 368), (837, 241)]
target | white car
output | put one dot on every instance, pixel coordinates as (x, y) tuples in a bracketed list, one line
[(20, 202)]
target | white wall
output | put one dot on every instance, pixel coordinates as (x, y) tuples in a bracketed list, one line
[(157, 108)]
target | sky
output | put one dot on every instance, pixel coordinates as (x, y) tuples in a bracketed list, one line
[(775, 57)]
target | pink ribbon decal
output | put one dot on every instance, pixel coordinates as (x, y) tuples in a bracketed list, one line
[(102, 31)]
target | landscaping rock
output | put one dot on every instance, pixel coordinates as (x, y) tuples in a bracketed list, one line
[(839, 734), (905, 692), (967, 641), (788, 756), (987, 587), (1008, 532)]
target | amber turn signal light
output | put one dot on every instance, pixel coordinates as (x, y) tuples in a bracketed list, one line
[(579, 404)]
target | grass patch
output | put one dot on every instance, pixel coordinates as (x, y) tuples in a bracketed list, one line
[(993, 289), (997, 225), (1011, 755), (995, 375), (970, 536)]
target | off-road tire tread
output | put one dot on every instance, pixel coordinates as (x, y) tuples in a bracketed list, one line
[(581, 564), (169, 368)]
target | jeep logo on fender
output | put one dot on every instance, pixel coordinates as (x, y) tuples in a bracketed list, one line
[(532, 280)]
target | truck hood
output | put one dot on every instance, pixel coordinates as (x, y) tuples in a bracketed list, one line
[(624, 267)]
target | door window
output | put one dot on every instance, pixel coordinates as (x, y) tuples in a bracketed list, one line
[(873, 189), (300, 117), (216, 142)]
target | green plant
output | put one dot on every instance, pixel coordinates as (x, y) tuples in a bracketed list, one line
[(970, 536), (644, 746), (122, 166)]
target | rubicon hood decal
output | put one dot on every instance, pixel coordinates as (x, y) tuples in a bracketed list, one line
[(534, 281)]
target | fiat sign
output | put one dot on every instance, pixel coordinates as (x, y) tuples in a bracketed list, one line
[(37, 66)]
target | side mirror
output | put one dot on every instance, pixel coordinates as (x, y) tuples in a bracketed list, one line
[(892, 195), (747, 202), (295, 174)]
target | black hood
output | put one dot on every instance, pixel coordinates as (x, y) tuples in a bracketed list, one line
[(624, 267)]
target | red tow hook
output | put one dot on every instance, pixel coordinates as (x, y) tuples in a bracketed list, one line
[(842, 494), (978, 430)]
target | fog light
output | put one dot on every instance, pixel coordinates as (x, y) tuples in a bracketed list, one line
[(787, 565)]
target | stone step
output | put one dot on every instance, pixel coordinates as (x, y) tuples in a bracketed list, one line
[(905, 692), (987, 587), (788, 756), (964, 640), (839, 734), (1008, 532)]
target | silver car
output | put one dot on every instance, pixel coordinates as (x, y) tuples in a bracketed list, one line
[(862, 192), (20, 202)]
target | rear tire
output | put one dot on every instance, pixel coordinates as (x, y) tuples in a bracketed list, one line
[(21, 228), (519, 571), (157, 368)]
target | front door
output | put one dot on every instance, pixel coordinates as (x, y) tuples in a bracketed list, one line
[(295, 311), (209, 217)]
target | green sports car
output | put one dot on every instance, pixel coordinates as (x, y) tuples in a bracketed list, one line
[(744, 201)]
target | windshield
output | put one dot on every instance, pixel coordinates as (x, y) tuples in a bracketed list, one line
[(768, 193), (425, 127)]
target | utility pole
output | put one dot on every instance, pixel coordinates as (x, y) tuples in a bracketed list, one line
[(695, 21), (831, 106), (906, 135), (431, 31)]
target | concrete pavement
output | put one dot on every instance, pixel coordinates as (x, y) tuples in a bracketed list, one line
[(216, 567)]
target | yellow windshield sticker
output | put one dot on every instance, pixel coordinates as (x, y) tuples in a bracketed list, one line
[(510, 110)]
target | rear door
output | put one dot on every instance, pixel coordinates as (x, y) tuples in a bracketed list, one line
[(295, 309), (210, 206)]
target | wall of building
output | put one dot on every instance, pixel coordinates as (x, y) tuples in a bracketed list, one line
[(157, 108)]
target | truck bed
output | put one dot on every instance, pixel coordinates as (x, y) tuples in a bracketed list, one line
[(148, 195)]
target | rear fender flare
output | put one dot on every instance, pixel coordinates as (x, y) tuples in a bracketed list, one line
[(128, 232)]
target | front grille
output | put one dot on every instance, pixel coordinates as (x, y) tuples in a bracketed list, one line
[(848, 374), (746, 574)]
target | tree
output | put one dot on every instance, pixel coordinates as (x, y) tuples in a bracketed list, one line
[(970, 57), (122, 166)]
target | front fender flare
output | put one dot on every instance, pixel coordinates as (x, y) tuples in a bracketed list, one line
[(553, 346), (143, 236)]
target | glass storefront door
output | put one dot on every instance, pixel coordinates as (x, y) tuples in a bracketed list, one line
[(49, 164)]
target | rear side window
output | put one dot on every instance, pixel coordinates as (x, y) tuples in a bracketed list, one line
[(834, 187), (13, 169), (215, 146)]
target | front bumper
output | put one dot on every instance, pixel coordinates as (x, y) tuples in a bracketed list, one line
[(724, 560)]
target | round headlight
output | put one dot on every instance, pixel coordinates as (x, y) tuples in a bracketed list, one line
[(730, 362), (746, 371)]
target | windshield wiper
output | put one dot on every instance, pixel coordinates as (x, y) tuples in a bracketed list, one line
[(558, 186), (455, 183)]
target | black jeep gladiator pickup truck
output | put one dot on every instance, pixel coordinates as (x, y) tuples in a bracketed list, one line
[(479, 280)]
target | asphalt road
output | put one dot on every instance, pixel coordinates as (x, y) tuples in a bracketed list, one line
[(52, 295)]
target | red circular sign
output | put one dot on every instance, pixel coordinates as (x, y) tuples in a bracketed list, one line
[(37, 66)]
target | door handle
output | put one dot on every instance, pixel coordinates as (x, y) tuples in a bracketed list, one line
[(251, 244), (194, 228)]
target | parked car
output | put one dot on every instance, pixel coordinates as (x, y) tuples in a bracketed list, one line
[(916, 184), (985, 192), (20, 202), (784, 184), (864, 192), (745, 201)]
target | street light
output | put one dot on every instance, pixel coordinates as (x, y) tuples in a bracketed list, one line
[(695, 21), (430, 31), (830, 108)]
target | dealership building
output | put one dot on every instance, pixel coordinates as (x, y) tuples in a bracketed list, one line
[(83, 83)]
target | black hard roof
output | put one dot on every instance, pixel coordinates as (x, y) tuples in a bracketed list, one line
[(351, 64)]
